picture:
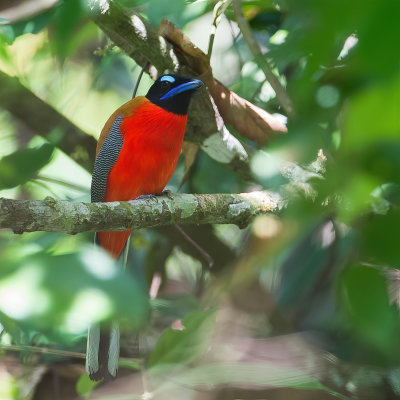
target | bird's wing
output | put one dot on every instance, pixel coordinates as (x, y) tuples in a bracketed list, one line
[(105, 160)]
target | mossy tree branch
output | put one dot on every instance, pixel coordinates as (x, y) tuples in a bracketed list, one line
[(63, 216)]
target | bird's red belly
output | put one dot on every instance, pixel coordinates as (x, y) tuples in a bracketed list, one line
[(145, 164)]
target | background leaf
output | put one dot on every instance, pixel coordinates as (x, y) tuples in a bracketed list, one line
[(186, 345), (19, 167)]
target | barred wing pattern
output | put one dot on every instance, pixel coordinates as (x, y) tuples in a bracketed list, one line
[(105, 160)]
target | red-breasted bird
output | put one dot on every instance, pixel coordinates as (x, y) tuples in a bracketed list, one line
[(136, 155)]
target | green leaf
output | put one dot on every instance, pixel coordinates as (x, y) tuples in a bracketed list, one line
[(69, 291), (184, 346), (129, 364), (178, 11), (7, 34), (68, 21), (373, 323), (356, 196), (34, 23), (19, 167), (379, 238), (85, 385), (372, 116)]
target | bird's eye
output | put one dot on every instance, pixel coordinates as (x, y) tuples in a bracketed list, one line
[(165, 84)]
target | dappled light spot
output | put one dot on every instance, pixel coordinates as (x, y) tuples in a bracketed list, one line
[(155, 285), (267, 226), (177, 325), (104, 6), (327, 234), (163, 45), (266, 92), (139, 26), (327, 96), (29, 248), (89, 306), (279, 37), (21, 295), (282, 118), (265, 165), (229, 234), (174, 59), (250, 69), (350, 42), (98, 263)]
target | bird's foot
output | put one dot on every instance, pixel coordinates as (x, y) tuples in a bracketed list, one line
[(147, 196), (167, 193)]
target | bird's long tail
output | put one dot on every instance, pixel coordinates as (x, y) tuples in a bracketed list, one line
[(102, 350)]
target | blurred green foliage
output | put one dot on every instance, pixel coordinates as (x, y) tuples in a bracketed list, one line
[(324, 263), (183, 346), (19, 167)]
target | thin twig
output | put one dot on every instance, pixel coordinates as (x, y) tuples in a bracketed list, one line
[(205, 255), (55, 352), (139, 78), (42, 185), (146, 392), (63, 183), (218, 12), (261, 61), (42, 350)]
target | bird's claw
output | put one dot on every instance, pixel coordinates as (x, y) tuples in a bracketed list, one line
[(167, 193), (147, 196)]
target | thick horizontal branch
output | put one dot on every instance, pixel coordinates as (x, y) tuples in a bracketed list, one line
[(63, 216)]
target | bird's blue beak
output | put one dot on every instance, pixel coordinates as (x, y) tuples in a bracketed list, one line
[(184, 87)]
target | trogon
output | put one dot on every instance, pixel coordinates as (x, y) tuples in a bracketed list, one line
[(136, 155)]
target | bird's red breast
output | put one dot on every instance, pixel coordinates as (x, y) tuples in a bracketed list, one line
[(152, 140)]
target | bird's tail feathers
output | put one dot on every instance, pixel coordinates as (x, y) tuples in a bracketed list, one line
[(102, 352)]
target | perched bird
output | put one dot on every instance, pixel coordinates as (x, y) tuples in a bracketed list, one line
[(136, 155)]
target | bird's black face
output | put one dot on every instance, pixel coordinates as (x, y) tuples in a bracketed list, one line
[(173, 92)]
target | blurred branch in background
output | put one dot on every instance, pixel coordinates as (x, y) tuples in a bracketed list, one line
[(260, 59), (25, 9), (62, 216), (42, 119)]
